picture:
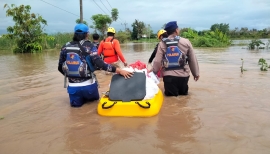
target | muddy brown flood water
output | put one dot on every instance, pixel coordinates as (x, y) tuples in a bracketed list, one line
[(226, 112)]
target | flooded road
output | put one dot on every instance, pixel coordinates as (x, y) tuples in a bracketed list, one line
[(226, 112)]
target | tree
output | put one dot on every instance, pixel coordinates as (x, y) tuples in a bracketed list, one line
[(224, 28), (123, 36), (101, 22), (189, 33), (128, 30), (184, 29), (244, 31), (114, 14), (79, 21), (148, 30), (138, 27), (234, 33), (28, 29), (134, 34)]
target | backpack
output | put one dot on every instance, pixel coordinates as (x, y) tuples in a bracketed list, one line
[(96, 44), (111, 44), (173, 58), (75, 65)]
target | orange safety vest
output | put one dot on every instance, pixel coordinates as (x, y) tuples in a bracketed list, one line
[(108, 49)]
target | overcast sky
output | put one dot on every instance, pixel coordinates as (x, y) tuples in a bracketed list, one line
[(197, 14)]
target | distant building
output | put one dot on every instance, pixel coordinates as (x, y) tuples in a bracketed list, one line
[(144, 36)]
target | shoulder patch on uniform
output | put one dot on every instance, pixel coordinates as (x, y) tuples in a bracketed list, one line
[(164, 39), (177, 37)]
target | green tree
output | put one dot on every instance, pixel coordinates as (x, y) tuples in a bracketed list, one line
[(79, 21), (134, 34), (234, 33), (264, 33), (102, 22), (123, 36), (128, 30), (138, 27), (114, 14), (189, 33), (244, 31), (28, 29), (224, 28), (184, 29), (148, 31)]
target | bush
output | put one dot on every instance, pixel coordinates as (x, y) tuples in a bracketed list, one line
[(264, 65), (123, 37), (254, 43)]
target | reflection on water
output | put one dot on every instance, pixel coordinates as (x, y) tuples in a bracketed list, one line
[(225, 111), (142, 47)]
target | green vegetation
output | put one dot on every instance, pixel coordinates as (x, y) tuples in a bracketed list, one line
[(59, 40), (101, 22), (2, 117), (224, 28), (114, 14), (123, 36), (255, 42), (245, 33), (264, 65), (79, 21), (6, 43), (207, 39), (137, 31), (27, 33)]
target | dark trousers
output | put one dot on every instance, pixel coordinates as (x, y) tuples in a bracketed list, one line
[(175, 86), (79, 95)]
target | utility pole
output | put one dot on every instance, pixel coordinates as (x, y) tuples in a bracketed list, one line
[(125, 25), (81, 12)]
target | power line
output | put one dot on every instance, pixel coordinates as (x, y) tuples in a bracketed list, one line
[(109, 3), (64, 10), (121, 19), (78, 15), (111, 8), (104, 5), (124, 24), (61, 8), (100, 8)]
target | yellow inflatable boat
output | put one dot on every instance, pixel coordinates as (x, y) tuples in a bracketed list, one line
[(143, 108)]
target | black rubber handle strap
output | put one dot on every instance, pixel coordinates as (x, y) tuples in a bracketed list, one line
[(107, 107), (145, 107)]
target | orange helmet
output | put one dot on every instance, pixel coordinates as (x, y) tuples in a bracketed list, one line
[(160, 32)]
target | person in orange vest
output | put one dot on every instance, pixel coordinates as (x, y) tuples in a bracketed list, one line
[(110, 48)]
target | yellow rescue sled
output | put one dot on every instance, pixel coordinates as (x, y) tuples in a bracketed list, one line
[(143, 108), (126, 98)]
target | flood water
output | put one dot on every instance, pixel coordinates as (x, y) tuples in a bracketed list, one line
[(226, 112)]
